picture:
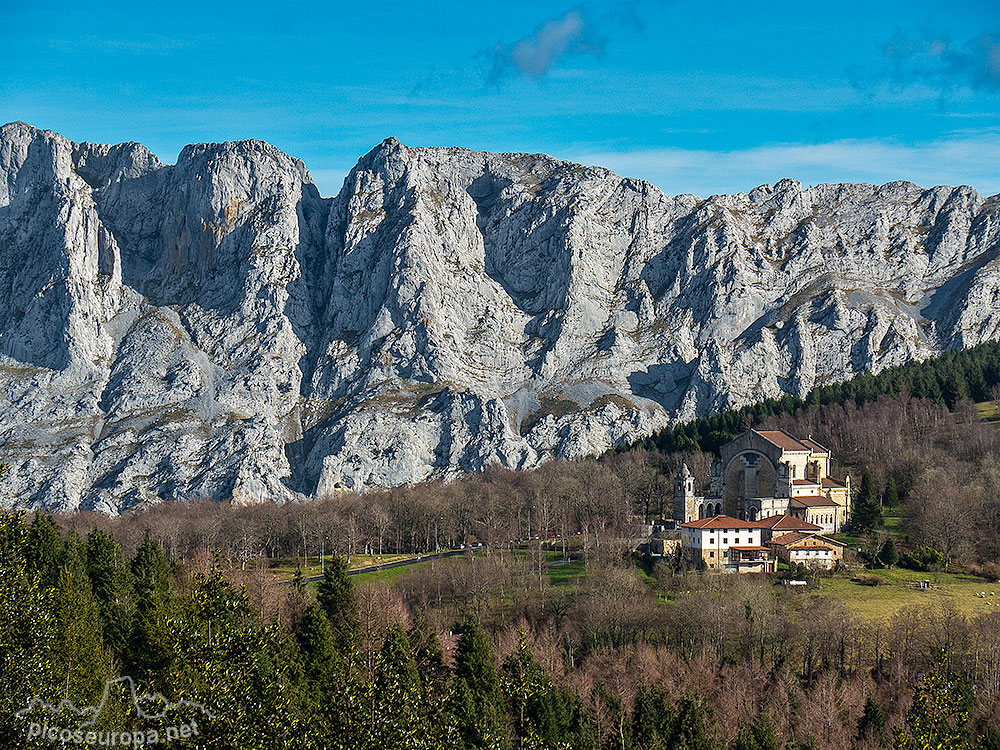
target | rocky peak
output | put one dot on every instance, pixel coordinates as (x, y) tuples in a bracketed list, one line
[(216, 328)]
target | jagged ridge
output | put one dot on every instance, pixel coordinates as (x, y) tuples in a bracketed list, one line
[(217, 328)]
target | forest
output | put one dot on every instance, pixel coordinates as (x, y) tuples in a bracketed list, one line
[(553, 634)]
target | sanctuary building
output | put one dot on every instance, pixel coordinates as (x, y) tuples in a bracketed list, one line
[(765, 473)]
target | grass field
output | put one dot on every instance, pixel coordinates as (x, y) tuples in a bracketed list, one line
[(989, 410), (285, 569), (565, 574), (881, 602), (391, 575)]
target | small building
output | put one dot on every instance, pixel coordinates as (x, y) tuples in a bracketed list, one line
[(750, 559), (812, 550), (709, 540)]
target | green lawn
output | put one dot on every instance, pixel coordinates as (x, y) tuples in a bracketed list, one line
[(893, 525), (881, 602), (989, 410), (285, 569), (390, 575), (565, 574)]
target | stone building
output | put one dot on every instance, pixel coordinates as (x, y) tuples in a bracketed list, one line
[(765, 473), (812, 550), (723, 543)]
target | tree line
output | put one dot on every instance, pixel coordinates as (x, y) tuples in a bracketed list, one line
[(948, 379), (621, 659)]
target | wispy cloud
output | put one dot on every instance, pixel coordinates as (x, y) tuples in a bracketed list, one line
[(534, 55), (972, 159), (935, 62)]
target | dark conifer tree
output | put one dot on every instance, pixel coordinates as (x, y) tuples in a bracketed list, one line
[(111, 582), (890, 497), (83, 662), (338, 601), (888, 555), (867, 508), (150, 651), (872, 721), (43, 549), (758, 735), (691, 727), (478, 701)]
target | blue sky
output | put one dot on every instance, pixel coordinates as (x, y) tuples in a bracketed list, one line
[(702, 97)]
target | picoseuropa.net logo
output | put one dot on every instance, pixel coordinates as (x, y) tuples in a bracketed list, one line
[(160, 720)]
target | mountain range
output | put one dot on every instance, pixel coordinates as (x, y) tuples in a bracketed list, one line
[(216, 328)]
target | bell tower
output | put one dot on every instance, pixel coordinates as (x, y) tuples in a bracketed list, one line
[(685, 502)]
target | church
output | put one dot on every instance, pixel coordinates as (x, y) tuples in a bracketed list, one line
[(765, 473)]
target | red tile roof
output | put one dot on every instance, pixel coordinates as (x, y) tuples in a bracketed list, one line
[(783, 540), (718, 522), (801, 482), (829, 483), (749, 549), (814, 446), (814, 501), (782, 439), (798, 540), (785, 523)]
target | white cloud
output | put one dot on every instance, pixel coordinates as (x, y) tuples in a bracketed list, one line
[(970, 160)]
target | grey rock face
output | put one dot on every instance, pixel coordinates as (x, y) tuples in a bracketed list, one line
[(217, 329)]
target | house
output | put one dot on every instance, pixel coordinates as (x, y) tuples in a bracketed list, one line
[(782, 524), (750, 559), (710, 540), (813, 550), (765, 473)]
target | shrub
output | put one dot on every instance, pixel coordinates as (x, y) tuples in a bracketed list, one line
[(923, 559), (990, 571)]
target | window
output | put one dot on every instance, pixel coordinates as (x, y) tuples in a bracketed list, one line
[(725, 540)]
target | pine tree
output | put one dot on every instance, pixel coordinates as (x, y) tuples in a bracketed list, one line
[(111, 582), (526, 688), (150, 652), (888, 554), (337, 598), (319, 649), (478, 701), (83, 663), (867, 508), (872, 721), (691, 727), (396, 718), (890, 498), (150, 570), (43, 550), (756, 736), (653, 719), (429, 657)]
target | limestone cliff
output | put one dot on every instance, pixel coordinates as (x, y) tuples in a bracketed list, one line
[(216, 328)]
